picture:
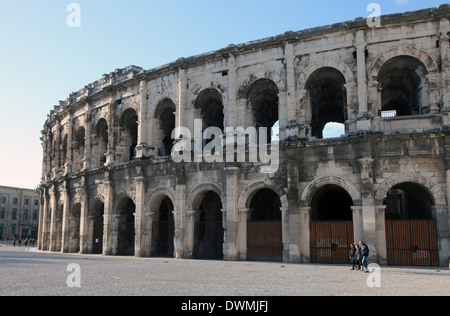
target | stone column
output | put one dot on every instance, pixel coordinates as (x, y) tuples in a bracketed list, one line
[(232, 119), (241, 240), (360, 44), (181, 106), (53, 223), (65, 224), (139, 249), (44, 236), (192, 217), (84, 228), (368, 206), (292, 129), (107, 216), (305, 236), (179, 218), (232, 215), (57, 165), (294, 235), (110, 155), (141, 149), (87, 147), (42, 207), (285, 233), (69, 162)]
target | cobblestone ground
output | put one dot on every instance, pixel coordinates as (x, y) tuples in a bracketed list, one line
[(25, 271)]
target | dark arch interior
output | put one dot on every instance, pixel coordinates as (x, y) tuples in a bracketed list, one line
[(165, 246), (209, 102), (97, 218), (328, 99), (332, 203), (263, 101), (209, 230), (401, 85), (265, 206), (165, 113), (126, 238), (102, 139), (408, 201), (129, 124)]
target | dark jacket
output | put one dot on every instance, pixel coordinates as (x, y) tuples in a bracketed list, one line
[(352, 253), (365, 250)]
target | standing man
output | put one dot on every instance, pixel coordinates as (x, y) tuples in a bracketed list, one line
[(365, 255)]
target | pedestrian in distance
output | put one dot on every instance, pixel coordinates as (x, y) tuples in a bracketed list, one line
[(365, 255), (352, 255), (357, 257)]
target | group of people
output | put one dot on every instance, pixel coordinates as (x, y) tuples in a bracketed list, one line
[(358, 255), (30, 241)]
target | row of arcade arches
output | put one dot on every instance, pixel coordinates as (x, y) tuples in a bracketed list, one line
[(331, 227), (402, 85)]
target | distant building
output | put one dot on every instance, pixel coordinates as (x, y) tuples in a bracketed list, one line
[(19, 213)]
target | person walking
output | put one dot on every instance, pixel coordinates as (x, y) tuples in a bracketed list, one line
[(357, 257), (365, 255), (352, 256)]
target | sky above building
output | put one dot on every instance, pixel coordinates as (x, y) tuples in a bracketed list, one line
[(48, 50)]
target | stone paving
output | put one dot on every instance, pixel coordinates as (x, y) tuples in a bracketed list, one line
[(26, 271)]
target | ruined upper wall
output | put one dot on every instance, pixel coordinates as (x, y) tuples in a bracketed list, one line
[(134, 73)]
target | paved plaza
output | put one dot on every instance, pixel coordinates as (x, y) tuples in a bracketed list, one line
[(26, 271)]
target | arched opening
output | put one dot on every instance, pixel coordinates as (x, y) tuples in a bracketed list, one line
[(327, 99), (331, 227), (411, 232), (64, 151), (408, 201), (97, 227), (166, 229), (129, 135), (262, 106), (208, 228), (100, 143), (165, 124), (74, 229), (331, 203), (401, 82), (78, 149), (210, 109), (264, 229), (126, 227)]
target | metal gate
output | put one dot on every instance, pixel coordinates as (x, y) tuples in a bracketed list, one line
[(264, 241), (330, 242), (412, 243)]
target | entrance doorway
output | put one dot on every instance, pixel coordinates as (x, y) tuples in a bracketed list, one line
[(208, 229), (164, 244), (264, 229), (411, 234), (331, 227), (126, 231), (97, 233)]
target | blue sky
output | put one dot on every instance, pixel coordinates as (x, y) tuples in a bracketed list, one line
[(42, 60)]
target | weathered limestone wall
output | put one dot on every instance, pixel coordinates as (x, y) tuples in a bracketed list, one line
[(82, 171)]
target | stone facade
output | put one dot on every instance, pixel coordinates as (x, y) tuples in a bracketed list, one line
[(108, 181)]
